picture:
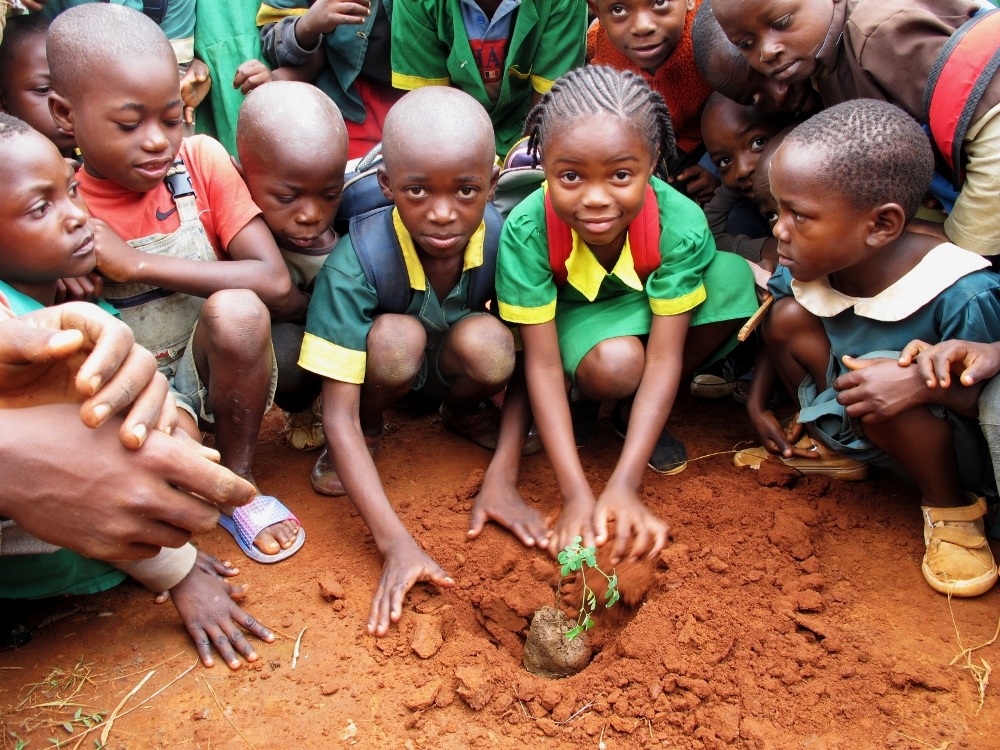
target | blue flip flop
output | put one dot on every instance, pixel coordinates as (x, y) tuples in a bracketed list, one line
[(249, 520)]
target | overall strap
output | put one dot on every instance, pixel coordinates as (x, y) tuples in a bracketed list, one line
[(178, 182), (643, 238), (482, 280), (956, 84), (377, 246)]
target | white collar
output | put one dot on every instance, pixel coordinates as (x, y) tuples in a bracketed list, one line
[(936, 271)]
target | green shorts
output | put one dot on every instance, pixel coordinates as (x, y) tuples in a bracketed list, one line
[(55, 574)]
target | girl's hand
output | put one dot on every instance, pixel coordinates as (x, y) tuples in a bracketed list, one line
[(405, 564), (633, 521), (205, 604), (576, 519), (973, 362)]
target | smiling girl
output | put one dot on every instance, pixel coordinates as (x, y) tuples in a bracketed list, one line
[(605, 270)]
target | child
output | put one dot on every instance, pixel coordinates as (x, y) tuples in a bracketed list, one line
[(340, 45), (439, 170), (116, 90), (735, 136), (653, 39), (292, 147), (854, 283), (725, 70), (46, 234), (635, 267), (25, 83), (518, 49), (890, 50)]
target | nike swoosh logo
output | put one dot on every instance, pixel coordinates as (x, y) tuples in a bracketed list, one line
[(164, 216)]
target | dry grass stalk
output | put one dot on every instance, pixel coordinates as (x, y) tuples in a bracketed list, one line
[(223, 710), (980, 672)]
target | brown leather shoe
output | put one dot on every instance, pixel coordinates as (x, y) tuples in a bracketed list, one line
[(958, 560), (324, 477), (828, 464)]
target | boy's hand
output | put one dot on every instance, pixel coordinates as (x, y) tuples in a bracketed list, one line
[(251, 74), (206, 605), (633, 521), (500, 501), (80, 289), (41, 351), (116, 259), (326, 15), (576, 519), (879, 389), (971, 361), (699, 183), (778, 440), (195, 85), (405, 564)]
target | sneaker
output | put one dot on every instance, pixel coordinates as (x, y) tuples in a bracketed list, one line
[(829, 464), (324, 477), (304, 429), (669, 454), (718, 379), (958, 560)]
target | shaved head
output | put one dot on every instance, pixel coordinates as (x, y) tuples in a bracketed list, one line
[(438, 118), (86, 41), (287, 119)]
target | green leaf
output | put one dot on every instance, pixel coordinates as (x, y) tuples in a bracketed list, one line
[(588, 624), (78, 714), (613, 581), (68, 727), (571, 634), (611, 602), (577, 539), (591, 602)]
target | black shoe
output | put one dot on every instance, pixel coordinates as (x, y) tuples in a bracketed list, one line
[(584, 416), (669, 454)]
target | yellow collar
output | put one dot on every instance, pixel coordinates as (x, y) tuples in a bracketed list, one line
[(586, 274), (415, 270)]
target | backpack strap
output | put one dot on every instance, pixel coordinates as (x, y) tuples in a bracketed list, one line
[(643, 239), (375, 241), (155, 9), (956, 84), (482, 280)]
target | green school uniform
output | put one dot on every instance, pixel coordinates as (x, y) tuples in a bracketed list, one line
[(430, 47), (344, 305), (594, 305)]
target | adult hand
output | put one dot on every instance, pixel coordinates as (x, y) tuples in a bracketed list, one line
[(634, 523), (80, 488), (879, 389), (404, 565), (195, 85)]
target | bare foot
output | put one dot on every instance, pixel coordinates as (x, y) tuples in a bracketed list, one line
[(277, 537), (500, 501)]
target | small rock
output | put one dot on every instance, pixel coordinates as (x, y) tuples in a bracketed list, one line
[(426, 640), (716, 565), (474, 687), (809, 601), (328, 688), (330, 589), (423, 697)]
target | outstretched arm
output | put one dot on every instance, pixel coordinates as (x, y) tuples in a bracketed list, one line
[(404, 563)]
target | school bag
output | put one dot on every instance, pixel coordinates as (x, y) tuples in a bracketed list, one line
[(957, 82)]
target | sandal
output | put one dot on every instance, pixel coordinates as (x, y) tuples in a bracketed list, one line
[(324, 476), (958, 560), (481, 426), (829, 464), (249, 520)]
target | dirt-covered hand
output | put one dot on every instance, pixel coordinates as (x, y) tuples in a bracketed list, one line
[(500, 501), (205, 604), (634, 523), (971, 361), (405, 564), (80, 288), (878, 389), (777, 439), (576, 519), (324, 16)]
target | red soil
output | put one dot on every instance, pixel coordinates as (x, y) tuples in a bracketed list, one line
[(789, 613)]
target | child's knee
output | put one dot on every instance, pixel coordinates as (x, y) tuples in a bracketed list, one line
[(482, 349), (785, 321), (612, 369), (395, 350), (237, 323)]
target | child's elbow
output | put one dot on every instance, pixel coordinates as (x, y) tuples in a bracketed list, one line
[(277, 291)]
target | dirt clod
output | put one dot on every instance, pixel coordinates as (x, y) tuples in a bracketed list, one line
[(330, 589), (426, 640), (547, 653)]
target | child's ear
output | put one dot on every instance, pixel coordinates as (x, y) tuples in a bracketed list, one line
[(888, 222), (594, 10), (383, 182), (690, 5), (62, 112), (494, 179), (239, 167)]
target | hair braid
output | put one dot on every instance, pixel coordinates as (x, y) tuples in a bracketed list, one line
[(597, 89)]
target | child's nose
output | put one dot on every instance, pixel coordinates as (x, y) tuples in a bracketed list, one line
[(155, 139), (441, 212), (595, 195), (770, 48), (308, 213), (643, 24)]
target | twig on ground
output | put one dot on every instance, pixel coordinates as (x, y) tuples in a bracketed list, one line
[(223, 710), (114, 714), (295, 652), (980, 672)]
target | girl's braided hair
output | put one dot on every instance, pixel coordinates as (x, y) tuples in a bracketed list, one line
[(597, 89)]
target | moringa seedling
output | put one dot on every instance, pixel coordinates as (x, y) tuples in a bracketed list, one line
[(577, 557)]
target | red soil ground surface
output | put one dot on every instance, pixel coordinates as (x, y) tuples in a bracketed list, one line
[(788, 613)]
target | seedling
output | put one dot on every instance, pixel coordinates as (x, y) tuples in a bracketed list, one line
[(577, 557)]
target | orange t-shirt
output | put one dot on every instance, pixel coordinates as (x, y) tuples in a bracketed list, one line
[(677, 80), (223, 201)]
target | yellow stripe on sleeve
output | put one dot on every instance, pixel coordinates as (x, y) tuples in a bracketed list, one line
[(529, 315), (541, 85), (267, 14), (408, 83), (678, 305), (331, 361)]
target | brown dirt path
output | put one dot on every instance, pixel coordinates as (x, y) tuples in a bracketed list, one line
[(789, 613)]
